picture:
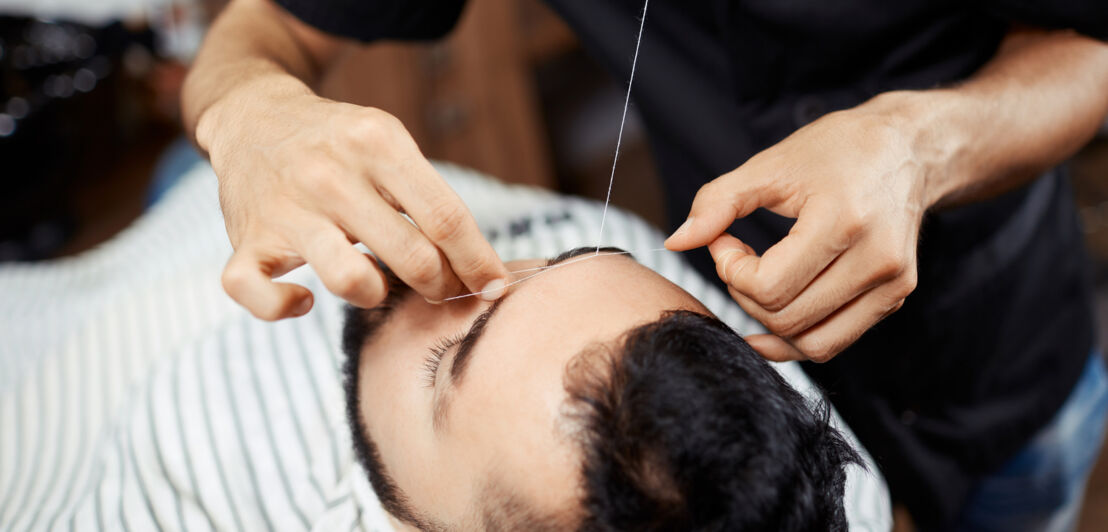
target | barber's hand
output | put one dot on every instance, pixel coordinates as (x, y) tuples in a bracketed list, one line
[(302, 178), (858, 192)]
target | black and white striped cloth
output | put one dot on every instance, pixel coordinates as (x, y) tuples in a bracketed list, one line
[(134, 395)]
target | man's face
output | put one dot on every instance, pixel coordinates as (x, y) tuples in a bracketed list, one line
[(455, 420)]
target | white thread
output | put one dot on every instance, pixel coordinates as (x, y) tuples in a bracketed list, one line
[(622, 123), (611, 181), (543, 269)]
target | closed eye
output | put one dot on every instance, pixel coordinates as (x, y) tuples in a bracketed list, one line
[(435, 355)]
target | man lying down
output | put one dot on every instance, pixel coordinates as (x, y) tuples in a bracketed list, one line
[(596, 395), (160, 404)]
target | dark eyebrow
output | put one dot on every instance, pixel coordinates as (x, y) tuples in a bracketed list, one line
[(465, 347), (577, 252)]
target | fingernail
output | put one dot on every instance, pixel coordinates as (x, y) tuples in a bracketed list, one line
[(304, 306), (684, 227), (432, 301), (493, 290)]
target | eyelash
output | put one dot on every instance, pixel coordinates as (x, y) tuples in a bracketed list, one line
[(434, 358)]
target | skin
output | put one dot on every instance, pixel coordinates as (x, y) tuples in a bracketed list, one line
[(298, 185), (504, 419)]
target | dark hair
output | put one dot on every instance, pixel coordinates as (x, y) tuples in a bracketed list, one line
[(358, 326), (685, 427), (682, 426)]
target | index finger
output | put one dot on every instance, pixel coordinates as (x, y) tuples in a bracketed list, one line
[(785, 269), (442, 216)]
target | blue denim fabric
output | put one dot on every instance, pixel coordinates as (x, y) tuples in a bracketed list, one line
[(1041, 488)]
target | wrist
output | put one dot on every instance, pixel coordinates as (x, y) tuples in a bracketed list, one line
[(929, 122), (204, 130), (227, 120)]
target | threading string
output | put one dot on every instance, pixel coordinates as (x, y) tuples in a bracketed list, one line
[(539, 270), (622, 123), (611, 181)]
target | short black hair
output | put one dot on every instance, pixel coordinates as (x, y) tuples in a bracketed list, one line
[(683, 426), (358, 326)]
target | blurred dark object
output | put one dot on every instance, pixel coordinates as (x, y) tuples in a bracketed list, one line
[(74, 102), (469, 98), (1090, 176), (582, 105)]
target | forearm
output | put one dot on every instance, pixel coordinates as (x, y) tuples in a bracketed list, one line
[(253, 50), (1034, 105), (859, 182)]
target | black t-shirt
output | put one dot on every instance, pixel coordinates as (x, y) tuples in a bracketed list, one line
[(990, 344)]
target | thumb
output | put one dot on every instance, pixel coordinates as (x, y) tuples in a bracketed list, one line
[(718, 204)]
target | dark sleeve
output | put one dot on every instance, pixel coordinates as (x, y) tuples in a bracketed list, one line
[(1089, 17), (370, 20)]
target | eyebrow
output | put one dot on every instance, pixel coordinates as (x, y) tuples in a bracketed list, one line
[(466, 346), (477, 329)]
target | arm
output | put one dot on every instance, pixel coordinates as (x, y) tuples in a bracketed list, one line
[(1033, 106), (859, 182), (302, 177), (253, 46)]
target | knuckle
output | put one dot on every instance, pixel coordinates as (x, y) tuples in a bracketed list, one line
[(347, 283), (818, 351), (482, 263), (382, 119), (908, 285), (422, 265), (774, 301), (768, 298), (708, 190), (852, 221), (821, 357), (373, 126), (884, 270), (905, 285), (889, 263), (234, 280), (447, 220), (708, 194), (783, 324)]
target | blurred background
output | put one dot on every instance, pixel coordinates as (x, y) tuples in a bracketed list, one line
[(90, 134)]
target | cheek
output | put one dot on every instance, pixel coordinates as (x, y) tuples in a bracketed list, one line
[(390, 383), (393, 402), (396, 411), (432, 471)]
